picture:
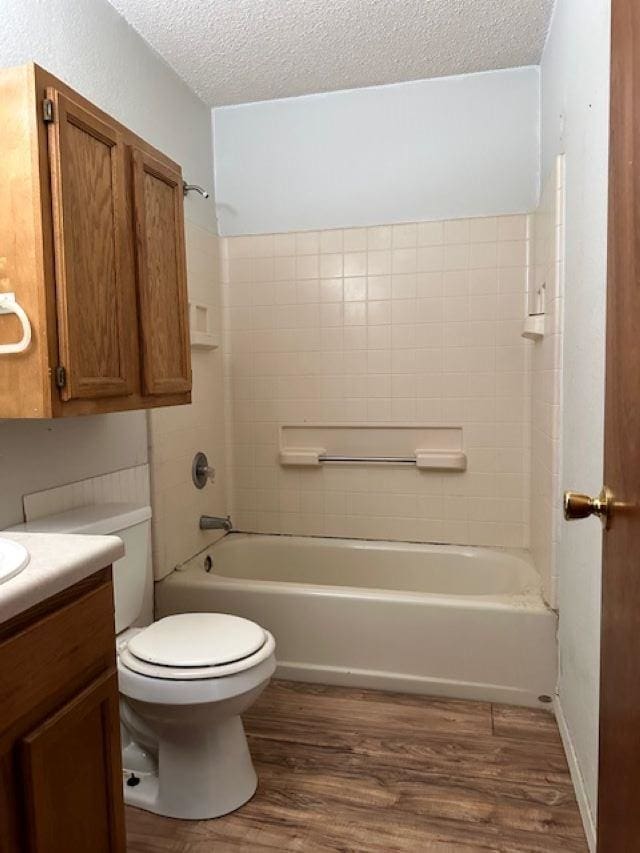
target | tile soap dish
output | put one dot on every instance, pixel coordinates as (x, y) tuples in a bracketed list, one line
[(202, 336), (534, 327), (534, 323)]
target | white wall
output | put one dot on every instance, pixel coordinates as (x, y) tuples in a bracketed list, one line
[(575, 97), (37, 455), (433, 149), (88, 45), (546, 270)]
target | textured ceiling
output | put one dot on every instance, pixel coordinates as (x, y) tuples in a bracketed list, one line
[(235, 51)]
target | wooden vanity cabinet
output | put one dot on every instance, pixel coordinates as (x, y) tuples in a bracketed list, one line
[(60, 758), (92, 244)]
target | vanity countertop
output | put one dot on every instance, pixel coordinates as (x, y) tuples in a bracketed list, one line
[(57, 561)]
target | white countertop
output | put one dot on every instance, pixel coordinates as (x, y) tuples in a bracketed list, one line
[(57, 561)]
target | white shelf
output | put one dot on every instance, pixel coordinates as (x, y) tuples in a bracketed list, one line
[(204, 340), (201, 326), (533, 328)]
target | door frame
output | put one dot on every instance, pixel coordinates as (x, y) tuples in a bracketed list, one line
[(618, 821)]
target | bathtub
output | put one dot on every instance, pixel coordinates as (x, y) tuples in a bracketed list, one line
[(441, 620)]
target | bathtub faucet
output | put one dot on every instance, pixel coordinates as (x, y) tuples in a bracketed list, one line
[(212, 522)]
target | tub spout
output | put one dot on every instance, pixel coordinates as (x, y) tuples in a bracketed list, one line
[(212, 522)]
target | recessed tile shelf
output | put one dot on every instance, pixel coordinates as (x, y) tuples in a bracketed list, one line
[(202, 336), (437, 448)]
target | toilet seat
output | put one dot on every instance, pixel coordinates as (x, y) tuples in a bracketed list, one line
[(181, 690), (191, 646)]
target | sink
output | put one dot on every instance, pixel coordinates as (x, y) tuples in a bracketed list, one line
[(13, 558)]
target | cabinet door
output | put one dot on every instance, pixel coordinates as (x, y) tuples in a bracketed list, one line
[(93, 252), (73, 775), (162, 278)]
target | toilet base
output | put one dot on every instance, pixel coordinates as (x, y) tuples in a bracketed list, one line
[(196, 778)]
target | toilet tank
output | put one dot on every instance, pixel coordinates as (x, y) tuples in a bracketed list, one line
[(129, 521)]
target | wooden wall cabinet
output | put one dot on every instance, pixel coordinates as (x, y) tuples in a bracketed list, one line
[(60, 755), (92, 244)]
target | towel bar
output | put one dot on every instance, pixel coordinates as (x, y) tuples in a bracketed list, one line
[(404, 460), (436, 460)]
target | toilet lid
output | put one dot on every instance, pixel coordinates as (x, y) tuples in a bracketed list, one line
[(197, 639)]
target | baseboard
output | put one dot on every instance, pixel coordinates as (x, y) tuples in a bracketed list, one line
[(588, 820), (400, 683)]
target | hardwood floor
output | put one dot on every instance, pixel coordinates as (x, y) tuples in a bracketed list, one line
[(360, 770)]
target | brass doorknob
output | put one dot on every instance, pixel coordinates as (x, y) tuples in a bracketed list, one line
[(581, 506)]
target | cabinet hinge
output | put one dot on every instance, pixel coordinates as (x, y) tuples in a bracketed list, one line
[(47, 110), (61, 376)]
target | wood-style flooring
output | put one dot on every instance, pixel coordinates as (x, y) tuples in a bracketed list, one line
[(360, 770)]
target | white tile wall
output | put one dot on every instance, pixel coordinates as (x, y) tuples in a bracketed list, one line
[(176, 433), (416, 323), (547, 267), (131, 485)]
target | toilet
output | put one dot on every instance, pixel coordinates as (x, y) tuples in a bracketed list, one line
[(184, 682)]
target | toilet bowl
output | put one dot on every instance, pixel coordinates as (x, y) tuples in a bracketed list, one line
[(185, 752), (184, 682)]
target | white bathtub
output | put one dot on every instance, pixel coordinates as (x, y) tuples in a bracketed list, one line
[(435, 619)]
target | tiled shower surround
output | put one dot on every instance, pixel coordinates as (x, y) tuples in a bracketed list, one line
[(414, 323), (177, 432)]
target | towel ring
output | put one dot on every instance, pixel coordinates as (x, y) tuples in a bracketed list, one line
[(9, 305)]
